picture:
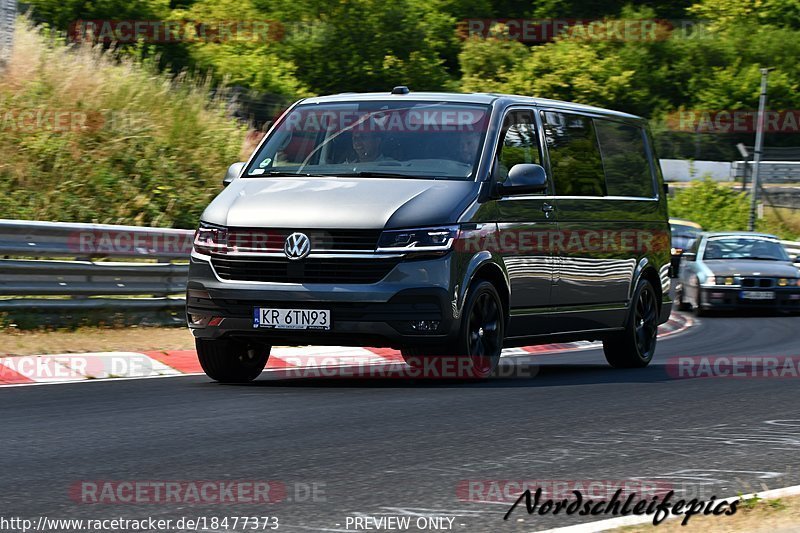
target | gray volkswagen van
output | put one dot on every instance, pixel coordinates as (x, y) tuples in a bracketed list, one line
[(438, 224)]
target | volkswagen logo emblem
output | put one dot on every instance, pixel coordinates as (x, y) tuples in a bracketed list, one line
[(297, 246)]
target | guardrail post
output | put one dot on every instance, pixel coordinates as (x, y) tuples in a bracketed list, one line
[(8, 17), (762, 102), (168, 278)]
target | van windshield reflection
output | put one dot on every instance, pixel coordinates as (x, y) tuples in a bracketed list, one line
[(420, 140)]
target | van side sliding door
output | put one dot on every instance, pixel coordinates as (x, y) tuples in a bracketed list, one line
[(608, 211)]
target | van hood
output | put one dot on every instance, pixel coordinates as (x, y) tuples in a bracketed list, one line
[(346, 203)]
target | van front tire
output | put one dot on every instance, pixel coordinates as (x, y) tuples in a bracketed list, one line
[(476, 352), (230, 361), (635, 345)]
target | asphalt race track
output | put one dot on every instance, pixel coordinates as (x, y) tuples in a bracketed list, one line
[(372, 446)]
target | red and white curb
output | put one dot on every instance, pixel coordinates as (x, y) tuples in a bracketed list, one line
[(65, 368)]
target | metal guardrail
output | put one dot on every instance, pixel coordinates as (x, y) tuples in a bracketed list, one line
[(66, 239), (92, 277), (88, 279), (8, 16), (769, 171)]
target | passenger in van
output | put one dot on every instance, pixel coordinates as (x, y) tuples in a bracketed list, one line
[(468, 147)]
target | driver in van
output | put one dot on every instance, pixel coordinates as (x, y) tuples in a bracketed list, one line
[(367, 146)]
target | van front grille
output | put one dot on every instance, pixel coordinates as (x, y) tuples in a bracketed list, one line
[(309, 270), (272, 240)]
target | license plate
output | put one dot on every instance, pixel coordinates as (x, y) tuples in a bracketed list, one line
[(270, 317), (758, 295)]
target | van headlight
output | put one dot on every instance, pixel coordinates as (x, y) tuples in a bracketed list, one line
[(211, 239), (435, 239)]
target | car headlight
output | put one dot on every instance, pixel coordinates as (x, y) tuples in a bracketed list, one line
[(783, 282), (730, 281), (420, 239), (210, 239)]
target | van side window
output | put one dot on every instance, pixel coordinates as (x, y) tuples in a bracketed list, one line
[(574, 154), (519, 143), (628, 171)]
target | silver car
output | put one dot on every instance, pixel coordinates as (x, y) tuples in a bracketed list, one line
[(732, 270)]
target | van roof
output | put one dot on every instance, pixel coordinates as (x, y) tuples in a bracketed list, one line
[(466, 98)]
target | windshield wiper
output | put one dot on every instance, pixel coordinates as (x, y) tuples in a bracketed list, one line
[(372, 174), (761, 258), (284, 174)]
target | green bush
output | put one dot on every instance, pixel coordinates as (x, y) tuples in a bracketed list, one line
[(715, 207), (719, 207), (148, 149)]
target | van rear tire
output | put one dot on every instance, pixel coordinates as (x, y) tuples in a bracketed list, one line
[(230, 361)]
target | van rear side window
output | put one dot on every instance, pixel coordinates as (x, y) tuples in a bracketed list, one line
[(574, 154), (627, 169)]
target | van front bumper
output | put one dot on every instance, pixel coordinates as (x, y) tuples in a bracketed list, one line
[(375, 314)]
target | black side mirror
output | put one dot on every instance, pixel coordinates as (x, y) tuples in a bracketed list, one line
[(524, 178), (233, 172)]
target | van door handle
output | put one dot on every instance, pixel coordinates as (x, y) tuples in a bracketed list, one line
[(547, 209)]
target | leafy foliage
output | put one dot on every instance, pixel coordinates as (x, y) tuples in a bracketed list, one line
[(138, 147), (710, 60), (715, 207), (138, 172)]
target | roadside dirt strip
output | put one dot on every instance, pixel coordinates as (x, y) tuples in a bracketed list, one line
[(61, 368)]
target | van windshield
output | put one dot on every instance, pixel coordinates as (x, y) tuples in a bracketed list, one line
[(430, 140)]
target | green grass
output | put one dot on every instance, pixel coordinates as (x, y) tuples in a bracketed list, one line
[(782, 222), (141, 147)]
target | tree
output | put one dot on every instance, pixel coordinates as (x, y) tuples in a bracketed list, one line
[(489, 64), (715, 207), (724, 13), (61, 14), (251, 57), (367, 45)]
